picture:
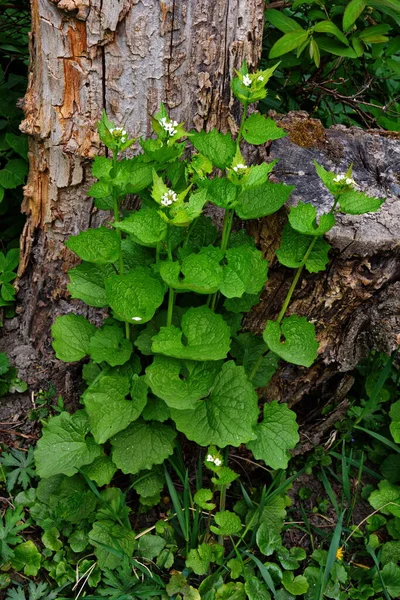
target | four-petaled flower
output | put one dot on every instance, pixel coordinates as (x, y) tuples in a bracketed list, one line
[(214, 459), (169, 126), (240, 168), (344, 180), (246, 81), (168, 198), (119, 134)]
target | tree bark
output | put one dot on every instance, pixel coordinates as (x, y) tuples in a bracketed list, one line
[(127, 56)]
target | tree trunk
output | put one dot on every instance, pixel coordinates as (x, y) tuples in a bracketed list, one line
[(127, 56)]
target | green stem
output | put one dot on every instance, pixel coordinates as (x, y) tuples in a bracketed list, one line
[(226, 232), (117, 219), (222, 497), (171, 295), (244, 115), (286, 302), (295, 281)]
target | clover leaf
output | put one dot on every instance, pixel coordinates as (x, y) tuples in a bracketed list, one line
[(294, 249), (299, 345), (226, 416), (245, 272), (202, 272), (100, 246), (145, 226), (109, 345), (207, 337), (109, 412), (276, 435), (262, 200), (181, 384), (71, 337), (87, 283), (134, 297), (259, 130), (303, 218), (64, 446), (142, 445), (219, 148)]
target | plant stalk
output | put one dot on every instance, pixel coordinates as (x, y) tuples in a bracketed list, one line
[(171, 294)]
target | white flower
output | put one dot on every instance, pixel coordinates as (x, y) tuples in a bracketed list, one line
[(136, 318), (344, 180), (246, 81), (339, 178), (239, 168), (169, 126), (214, 459), (119, 134), (260, 78), (168, 198)]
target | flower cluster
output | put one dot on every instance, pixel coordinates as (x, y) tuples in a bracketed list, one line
[(240, 168), (344, 180), (169, 126), (168, 198), (214, 459), (119, 134), (247, 81)]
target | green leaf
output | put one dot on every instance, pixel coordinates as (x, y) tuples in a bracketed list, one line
[(100, 246), (358, 203), (259, 129), (71, 337), (386, 498), (19, 143), (87, 283), (109, 345), (352, 11), (101, 190), (4, 363), (207, 337), (279, 20), (256, 590), (142, 445), (111, 541), (243, 304), (276, 435), (390, 575), (221, 192), (219, 148), (11, 260), (202, 272), (245, 272), (150, 546), (299, 345), (228, 523), (303, 218), (28, 557), (335, 47), (226, 416), (267, 539), (107, 408), (203, 499), (395, 421), (199, 560), (181, 384), (329, 27), (247, 349), (134, 297), (64, 446), (294, 248), (133, 175), (288, 42), (294, 585), (145, 226), (262, 200), (13, 174), (101, 471), (101, 167), (156, 410)]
